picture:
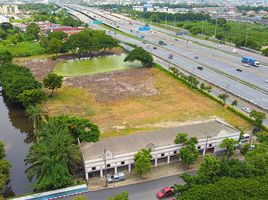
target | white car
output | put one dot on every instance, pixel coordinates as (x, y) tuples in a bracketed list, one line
[(246, 109), (266, 81), (246, 65)]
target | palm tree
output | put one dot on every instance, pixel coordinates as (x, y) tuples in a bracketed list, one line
[(53, 157), (36, 114)]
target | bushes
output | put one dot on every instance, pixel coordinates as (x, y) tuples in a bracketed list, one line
[(19, 84)]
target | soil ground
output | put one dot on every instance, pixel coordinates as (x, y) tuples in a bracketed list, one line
[(127, 101)]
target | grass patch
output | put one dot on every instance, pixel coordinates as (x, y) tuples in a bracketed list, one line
[(175, 103), (22, 49)]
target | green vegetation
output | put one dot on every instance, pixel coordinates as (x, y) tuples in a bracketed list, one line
[(80, 197), (5, 58), (4, 167), (229, 145), (258, 117), (53, 82), (19, 85), (36, 115), (121, 196), (142, 162), (141, 55)]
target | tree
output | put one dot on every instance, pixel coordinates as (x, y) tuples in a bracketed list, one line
[(141, 55), (234, 103), (4, 167), (53, 158), (142, 162), (258, 117), (80, 197), (121, 196), (32, 97), (180, 138), (44, 41), (5, 58), (223, 97), (265, 52), (229, 144), (193, 81), (36, 114), (52, 82), (262, 137), (80, 128), (229, 188), (209, 169), (54, 46), (33, 30), (188, 154), (107, 42), (60, 35)]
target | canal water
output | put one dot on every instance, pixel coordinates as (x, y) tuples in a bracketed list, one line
[(15, 132)]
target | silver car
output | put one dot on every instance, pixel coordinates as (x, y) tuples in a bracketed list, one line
[(116, 177)]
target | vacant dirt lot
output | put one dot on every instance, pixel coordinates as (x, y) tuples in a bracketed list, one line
[(118, 85), (131, 100)]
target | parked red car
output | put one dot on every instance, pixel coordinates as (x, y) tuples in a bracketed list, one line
[(165, 192)]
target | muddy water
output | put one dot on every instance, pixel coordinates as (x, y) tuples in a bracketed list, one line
[(95, 65), (15, 132)]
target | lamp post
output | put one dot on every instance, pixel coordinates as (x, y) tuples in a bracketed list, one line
[(105, 167)]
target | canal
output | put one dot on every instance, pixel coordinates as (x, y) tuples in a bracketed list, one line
[(15, 132)]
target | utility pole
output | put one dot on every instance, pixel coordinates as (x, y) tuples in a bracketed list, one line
[(246, 41), (105, 167), (215, 33), (174, 23), (166, 22), (203, 28)]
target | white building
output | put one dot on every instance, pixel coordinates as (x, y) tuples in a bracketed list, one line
[(118, 152), (3, 19), (9, 9)]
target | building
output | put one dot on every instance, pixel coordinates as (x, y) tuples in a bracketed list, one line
[(8, 9), (117, 153), (3, 19)]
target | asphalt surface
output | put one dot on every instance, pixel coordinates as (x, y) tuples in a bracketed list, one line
[(141, 191), (219, 67), (211, 75)]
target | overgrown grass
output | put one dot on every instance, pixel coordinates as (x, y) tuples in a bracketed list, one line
[(176, 103), (22, 49)]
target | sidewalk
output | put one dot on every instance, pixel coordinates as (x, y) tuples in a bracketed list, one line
[(162, 170)]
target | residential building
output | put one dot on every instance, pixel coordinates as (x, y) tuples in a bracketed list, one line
[(9, 9)]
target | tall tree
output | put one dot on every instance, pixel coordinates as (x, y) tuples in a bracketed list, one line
[(188, 154), (53, 158), (5, 58), (141, 55), (229, 145), (180, 138), (142, 162), (258, 117), (121, 196), (4, 167), (54, 46), (33, 30), (53, 82)]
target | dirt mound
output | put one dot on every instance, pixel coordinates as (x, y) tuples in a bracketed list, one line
[(114, 86)]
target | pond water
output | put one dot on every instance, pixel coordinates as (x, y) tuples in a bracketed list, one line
[(95, 65), (15, 132)]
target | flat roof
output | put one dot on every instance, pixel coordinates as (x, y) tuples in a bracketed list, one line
[(163, 137)]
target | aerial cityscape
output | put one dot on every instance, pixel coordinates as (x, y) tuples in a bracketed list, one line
[(134, 99)]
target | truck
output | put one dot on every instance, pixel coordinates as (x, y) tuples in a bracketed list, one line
[(250, 61)]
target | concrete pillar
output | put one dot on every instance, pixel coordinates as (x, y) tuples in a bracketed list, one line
[(204, 152), (101, 173), (86, 175), (115, 170), (129, 167), (155, 162), (168, 159)]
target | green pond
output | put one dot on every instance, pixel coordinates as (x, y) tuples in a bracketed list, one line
[(95, 65)]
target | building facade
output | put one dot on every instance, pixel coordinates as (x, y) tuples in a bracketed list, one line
[(117, 153), (9, 9)]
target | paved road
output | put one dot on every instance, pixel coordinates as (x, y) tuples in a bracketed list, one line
[(141, 191)]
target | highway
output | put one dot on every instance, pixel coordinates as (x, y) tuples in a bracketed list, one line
[(140, 191), (219, 68)]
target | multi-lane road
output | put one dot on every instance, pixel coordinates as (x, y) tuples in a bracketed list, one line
[(219, 63)]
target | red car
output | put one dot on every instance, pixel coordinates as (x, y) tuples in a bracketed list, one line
[(165, 192)]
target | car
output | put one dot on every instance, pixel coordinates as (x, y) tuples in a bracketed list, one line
[(116, 178), (246, 65), (196, 57), (239, 70), (256, 129), (166, 192), (176, 39), (200, 68), (266, 81), (143, 42), (154, 47), (246, 109)]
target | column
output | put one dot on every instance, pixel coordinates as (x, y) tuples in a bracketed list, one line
[(129, 167), (115, 170), (168, 159), (204, 152), (86, 175), (101, 173), (155, 162)]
